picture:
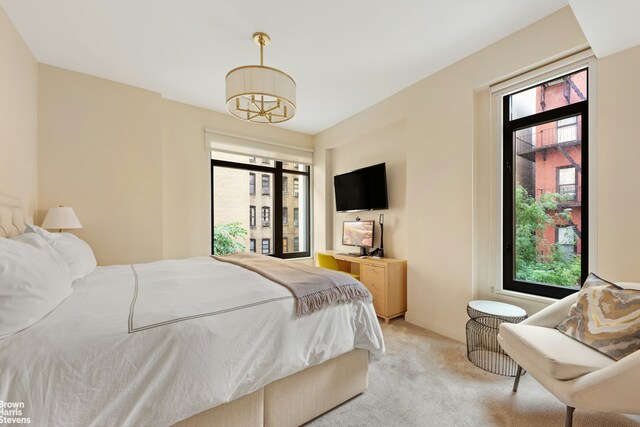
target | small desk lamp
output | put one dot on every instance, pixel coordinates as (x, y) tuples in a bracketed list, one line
[(61, 218)]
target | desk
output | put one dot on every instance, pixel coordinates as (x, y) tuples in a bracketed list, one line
[(386, 279)]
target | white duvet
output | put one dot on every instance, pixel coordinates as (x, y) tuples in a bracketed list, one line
[(152, 344)]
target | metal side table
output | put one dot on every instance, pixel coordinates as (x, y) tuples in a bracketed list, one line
[(483, 349)]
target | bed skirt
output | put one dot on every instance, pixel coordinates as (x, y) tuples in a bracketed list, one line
[(293, 400)]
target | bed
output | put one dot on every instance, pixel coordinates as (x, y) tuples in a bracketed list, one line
[(194, 342)]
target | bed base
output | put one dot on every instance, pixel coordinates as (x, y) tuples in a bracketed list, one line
[(293, 400)]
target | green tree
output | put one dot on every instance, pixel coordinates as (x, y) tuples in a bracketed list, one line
[(536, 259), (225, 238)]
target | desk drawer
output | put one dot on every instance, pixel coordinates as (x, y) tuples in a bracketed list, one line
[(374, 278)]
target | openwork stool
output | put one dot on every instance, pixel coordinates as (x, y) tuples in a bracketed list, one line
[(483, 349)]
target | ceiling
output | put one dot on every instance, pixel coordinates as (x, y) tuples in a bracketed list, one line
[(344, 55)]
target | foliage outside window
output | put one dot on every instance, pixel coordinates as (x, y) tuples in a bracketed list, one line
[(226, 236)]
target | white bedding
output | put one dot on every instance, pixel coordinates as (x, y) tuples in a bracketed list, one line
[(200, 333)]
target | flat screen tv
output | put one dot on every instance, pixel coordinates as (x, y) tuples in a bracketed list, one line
[(362, 190)]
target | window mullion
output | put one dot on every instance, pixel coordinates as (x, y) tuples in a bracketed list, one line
[(277, 211)]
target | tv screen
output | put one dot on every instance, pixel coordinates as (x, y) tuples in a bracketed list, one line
[(362, 190), (358, 233)]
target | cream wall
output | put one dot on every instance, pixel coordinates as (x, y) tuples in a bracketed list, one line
[(618, 172), (18, 117), (132, 164), (444, 138), (100, 152), (363, 150)]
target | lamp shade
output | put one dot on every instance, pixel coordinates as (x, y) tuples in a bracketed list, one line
[(261, 94), (61, 218)]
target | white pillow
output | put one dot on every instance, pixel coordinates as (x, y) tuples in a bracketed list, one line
[(73, 249), (34, 280)]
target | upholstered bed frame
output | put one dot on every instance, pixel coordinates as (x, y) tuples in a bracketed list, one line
[(12, 217), (290, 401)]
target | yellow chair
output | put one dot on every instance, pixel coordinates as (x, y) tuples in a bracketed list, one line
[(330, 263)]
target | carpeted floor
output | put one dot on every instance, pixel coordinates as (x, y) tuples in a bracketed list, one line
[(425, 379)]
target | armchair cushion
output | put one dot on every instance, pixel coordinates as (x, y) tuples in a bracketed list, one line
[(560, 356), (605, 317)]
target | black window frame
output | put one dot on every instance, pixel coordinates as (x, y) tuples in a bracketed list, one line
[(277, 171), (252, 245), (296, 217), (268, 242), (285, 215), (285, 184), (509, 127)]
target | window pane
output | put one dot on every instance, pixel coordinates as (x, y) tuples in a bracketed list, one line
[(252, 183), (295, 167), (296, 201), (547, 205), (238, 214), (556, 93)]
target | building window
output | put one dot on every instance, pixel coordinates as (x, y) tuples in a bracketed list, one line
[(566, 178), (272, 209), (252, 245), (296, 217), (566, 239), (545, 192), (266, 246), (252, 216), (296, 244), (296, 187), (252, 183)]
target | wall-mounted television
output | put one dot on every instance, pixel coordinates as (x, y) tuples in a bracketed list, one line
[(362, 189)]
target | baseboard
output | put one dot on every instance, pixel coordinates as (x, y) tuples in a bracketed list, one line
[(423, 322)]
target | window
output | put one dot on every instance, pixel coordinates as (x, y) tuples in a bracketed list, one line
[(296, 244), (252, 216), (296, 217), (252, 245), (566, 239), (266, 246), (230, 173), (296, 187), (545, 188), (266, 186), (566, 178), (252, 183)]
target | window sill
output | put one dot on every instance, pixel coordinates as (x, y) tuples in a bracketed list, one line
[(528, 297)]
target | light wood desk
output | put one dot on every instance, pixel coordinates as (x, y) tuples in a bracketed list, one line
[(386, 279)]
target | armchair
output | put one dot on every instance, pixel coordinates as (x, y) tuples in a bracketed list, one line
[(577, 375)]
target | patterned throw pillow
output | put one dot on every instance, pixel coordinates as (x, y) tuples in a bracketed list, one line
[(605, 317)]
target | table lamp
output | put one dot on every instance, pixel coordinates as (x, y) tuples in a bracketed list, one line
[(61, 218)]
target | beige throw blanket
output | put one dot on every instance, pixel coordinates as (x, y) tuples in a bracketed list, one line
[(313, 287)]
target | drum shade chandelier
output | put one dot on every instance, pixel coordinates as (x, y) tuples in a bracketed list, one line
[(261, 94)]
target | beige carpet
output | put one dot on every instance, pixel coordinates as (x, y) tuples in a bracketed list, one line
[(425, 379)]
